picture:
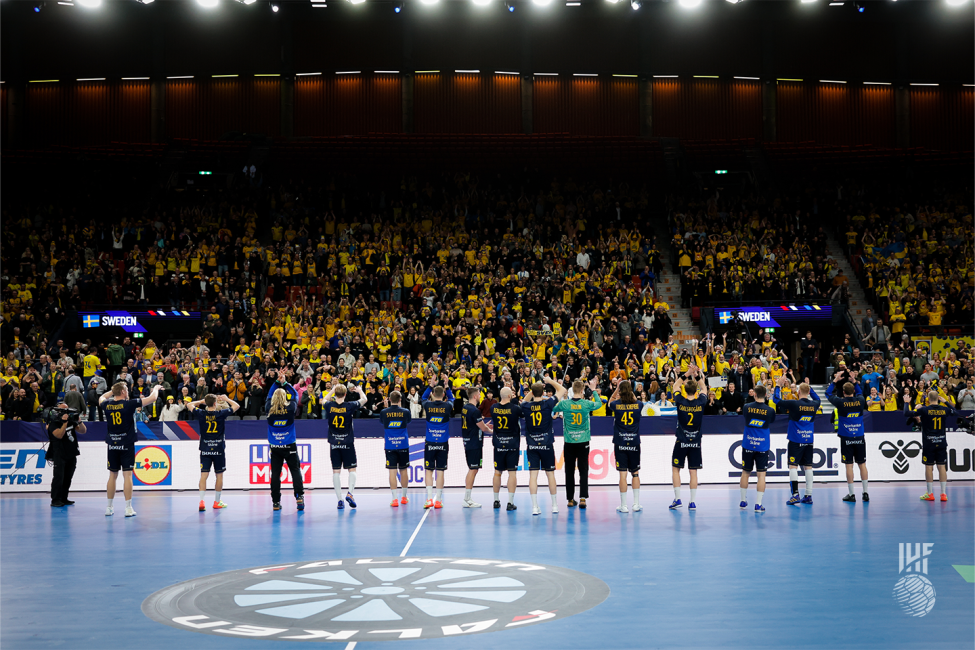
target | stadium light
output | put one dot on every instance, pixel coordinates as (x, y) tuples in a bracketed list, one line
[(426, 2), (208, 4), (275, 8), (145, 2), (38, 6), (481, 3), (510, 6), (542, 3), (690, 4), (955, 3), (635, 4), (397, 7), (90, 4)]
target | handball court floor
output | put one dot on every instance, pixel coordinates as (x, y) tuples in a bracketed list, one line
[(819, 576)]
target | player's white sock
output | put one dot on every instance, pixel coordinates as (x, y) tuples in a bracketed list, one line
[(534, 501), (676, 491), (622, 498), (511, 497), (944, 487), (760, 495), (404, 490), (337, 484), (128, 504), (636, 496), (429, 492), (440, 495), (497, 496), (553, 499), (693, 495), (352, 483), (849, 488), (864, 482), (794, 479), (394, 494), (203, 495), (467, 495), (744, 493), (218, 494), (809, 482), (930, 487), (111, 502)]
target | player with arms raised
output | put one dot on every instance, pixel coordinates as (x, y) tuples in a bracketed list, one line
[(849, 409), (934, 443), (120, 413), (802, 413), (473, 429), (626, 409), (575, 415), (212, 443), (755, 443), (506, 438), (690, 403), (341, 437), (395, 419), (540, 439)]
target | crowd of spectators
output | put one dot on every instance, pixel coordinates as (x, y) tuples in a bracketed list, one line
[(400, 285)]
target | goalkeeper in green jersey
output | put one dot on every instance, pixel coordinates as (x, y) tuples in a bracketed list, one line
[(575, 426)]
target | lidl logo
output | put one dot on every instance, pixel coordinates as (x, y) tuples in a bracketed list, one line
[(153, 465)]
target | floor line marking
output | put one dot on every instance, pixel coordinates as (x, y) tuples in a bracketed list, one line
[(413, 536), (350, 645)]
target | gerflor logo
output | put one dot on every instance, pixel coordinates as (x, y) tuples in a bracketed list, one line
[(376, 599), (913, 591), (901, 453)]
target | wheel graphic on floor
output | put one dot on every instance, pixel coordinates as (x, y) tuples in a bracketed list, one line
[(376, 599)]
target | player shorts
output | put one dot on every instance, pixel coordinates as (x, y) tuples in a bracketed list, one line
[(217, 461), (627, 460), (343, 458), (757, 460), (800, 455), (435, 456), (475, 457), (934, 455), (689, 451), (506, 460), (397, 458), (541, 458), (853, 450), (121, 458)]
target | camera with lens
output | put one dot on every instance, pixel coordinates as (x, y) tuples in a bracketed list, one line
[(55, 415), (967, 424)]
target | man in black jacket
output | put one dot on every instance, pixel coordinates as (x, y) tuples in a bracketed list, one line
[(63, 451)]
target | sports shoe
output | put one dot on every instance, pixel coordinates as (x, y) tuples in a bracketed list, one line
[(68, 502), (944, 497), (582, 504), (58, 504), (676, 504), (428, 504), (341, 505), (129, 511), (471, 504), (690, 506), (203, 506), (927, 496), (572, 503), (743, 505), (300, 501), (536, 510), (794, 501), (555, 509), (217, 505), (511, 507), (109, 511), (850, 498), (622, 509), (394, 503), (866, 497), (437, 505), (759, 509), (350, 499), (806, 499), (404, 500), (497, 505), (275, 506)]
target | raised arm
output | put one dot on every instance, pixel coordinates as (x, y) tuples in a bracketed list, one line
[(233, 405), (146, 401)]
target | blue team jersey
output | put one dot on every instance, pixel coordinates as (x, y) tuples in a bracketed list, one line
[(339, 418), (507, 430), (690, 415), (849, 412), (758, 417), (395, 419), (538, 423), (211, 426), (121, 421), (933, 423), (471, 432), (438, 421), (801, 413), (281, 426), (626, 424)]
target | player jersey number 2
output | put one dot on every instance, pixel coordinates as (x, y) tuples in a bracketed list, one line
[(338, 422)]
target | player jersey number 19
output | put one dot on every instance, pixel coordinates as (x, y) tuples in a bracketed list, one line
[(537, 419)]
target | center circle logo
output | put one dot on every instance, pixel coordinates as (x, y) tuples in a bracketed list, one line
[(376, 599), (152, 465)]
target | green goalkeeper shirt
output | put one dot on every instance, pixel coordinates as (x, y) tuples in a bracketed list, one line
[(575, 418)]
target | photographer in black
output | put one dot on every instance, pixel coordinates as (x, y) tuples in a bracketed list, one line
[(63, 451)]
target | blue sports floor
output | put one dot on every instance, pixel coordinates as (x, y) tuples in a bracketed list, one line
[(819, 576)]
